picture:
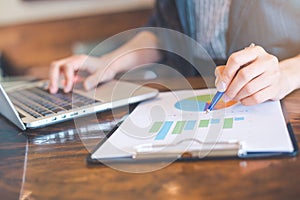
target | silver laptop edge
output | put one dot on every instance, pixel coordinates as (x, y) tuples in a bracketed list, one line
[(11, 112), (8, 110)]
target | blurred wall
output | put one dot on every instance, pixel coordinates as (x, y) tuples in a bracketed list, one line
[(33, 34), (18, 11)]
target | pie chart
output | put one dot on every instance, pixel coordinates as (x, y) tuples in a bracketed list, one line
[(200, 103)]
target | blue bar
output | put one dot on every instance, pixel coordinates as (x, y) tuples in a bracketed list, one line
[(239, 118), (215, 121), (164, 130), (190, 125)]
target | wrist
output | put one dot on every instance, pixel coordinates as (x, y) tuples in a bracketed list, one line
[(291, 72)]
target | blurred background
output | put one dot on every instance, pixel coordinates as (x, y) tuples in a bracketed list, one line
[(35, 32)]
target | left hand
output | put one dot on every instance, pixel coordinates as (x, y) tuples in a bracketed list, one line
[(252, 76)]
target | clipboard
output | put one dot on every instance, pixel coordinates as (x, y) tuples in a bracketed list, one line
[(231, 149)]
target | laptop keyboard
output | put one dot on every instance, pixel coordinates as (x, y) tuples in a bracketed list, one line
[(39, 102)]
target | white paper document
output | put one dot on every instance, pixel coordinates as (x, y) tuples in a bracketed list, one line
[(179, 118)]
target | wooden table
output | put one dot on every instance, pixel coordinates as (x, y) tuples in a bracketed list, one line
[(50, 163)]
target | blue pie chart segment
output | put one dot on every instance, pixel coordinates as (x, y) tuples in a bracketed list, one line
[(191, 105)]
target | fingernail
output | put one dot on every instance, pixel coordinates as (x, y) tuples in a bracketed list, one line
[(66, 90), (51, 89), (226, 98), (221, 86)]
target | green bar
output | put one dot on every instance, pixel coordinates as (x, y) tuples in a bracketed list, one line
[(178, 127), (155, 127), (204, 123), (228, 122)]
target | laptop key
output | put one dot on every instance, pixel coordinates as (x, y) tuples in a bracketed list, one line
[(67, 107), (48, 113), (39, 102), (56, 110)]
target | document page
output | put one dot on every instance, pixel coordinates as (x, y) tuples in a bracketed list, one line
[(175, 117)]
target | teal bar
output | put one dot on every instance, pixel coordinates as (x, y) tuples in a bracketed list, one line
[(215, 121), (164, 130), (239, 118), (190, 125)]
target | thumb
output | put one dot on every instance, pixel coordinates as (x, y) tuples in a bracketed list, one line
[(93, 80)]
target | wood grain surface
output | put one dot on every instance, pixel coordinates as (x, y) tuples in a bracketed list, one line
[(50, 163)]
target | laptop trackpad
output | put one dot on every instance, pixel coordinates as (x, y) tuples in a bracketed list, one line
[(116, 90)]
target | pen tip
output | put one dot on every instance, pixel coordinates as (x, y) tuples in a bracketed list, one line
[(207, 111)]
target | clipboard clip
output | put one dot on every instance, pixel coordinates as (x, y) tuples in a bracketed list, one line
[(188, 151)]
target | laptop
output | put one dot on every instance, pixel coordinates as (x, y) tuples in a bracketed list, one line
[(31, 105)]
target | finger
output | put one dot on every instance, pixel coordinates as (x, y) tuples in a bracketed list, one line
[(78, 79), (258, 97), (238, 60), (219, 70), (69, 77), (54, 73), (244, 76), (67, 66), (78, 62), (255, 85), (217, 81)]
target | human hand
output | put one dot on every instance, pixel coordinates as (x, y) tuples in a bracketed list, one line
[(252, 76), (68, 67)]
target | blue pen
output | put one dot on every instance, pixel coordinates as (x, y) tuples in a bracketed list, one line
[(214, 101)]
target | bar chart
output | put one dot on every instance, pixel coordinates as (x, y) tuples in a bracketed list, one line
[(163, 128)]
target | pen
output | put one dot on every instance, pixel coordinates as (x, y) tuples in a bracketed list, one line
[(218, 95), (214, 101)]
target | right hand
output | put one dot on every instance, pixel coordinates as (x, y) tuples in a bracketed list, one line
[(69, 66)]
